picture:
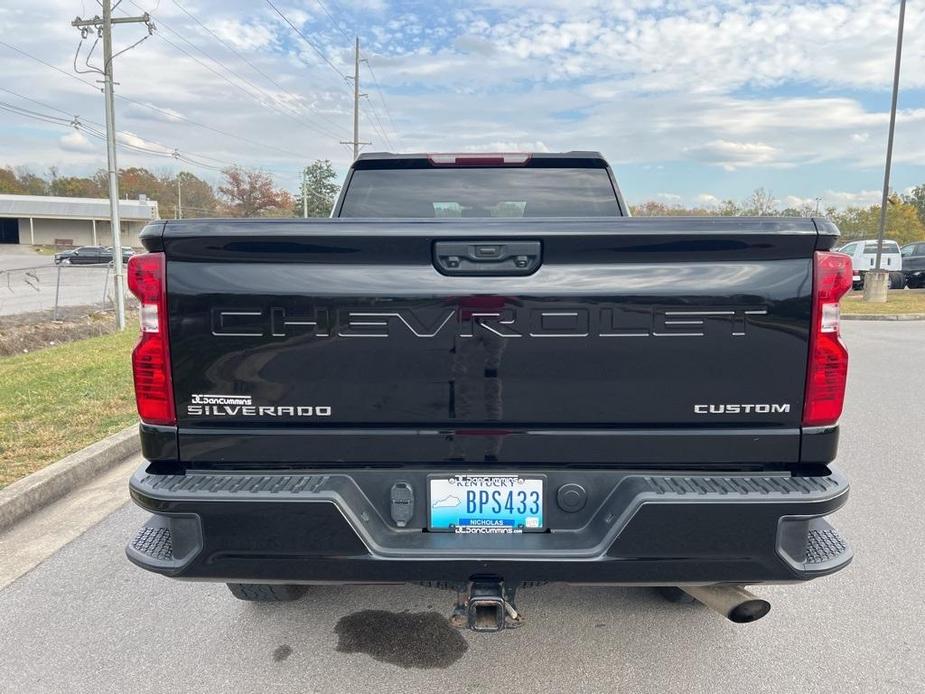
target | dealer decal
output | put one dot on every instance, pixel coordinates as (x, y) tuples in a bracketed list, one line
[(203, 405)]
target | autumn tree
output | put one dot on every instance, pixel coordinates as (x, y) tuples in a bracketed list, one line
[(9, 183), (251, 193), (916, 198), (320, 190), (134, 181), (903, 223), (30, 183), (654, 208), (74, 186)]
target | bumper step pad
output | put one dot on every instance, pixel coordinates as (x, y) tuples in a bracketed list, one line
[(166, 544), (154, 543), (824, 545)]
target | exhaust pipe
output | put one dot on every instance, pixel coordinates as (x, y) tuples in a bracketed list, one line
[(733, 602)]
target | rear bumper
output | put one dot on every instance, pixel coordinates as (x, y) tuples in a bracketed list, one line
[(635, 528)]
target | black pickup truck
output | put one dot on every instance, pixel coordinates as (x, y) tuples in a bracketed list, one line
[(482, 373)]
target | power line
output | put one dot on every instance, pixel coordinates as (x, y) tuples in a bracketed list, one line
[(306, 40), (271, 106), (334, 23), (74, 121), (376, 124), (166, 151), (244, 58), (151, 107), (388, 114), (346, 34), (79, 123)]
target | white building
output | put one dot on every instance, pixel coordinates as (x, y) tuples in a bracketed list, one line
[(42, 220)]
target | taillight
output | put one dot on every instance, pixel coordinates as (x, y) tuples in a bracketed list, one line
[(151, 357), (828, 358), (500, 159)]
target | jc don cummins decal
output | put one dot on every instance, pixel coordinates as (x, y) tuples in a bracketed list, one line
[(203, 405)]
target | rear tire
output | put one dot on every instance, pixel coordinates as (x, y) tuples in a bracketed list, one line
[(266, 592), (897, 280)]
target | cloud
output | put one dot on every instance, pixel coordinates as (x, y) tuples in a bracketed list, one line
[(731, 155), (76, 141), (707, 200), (507, 146), (146, 111), (677, 94), (671, 198), (128, 139), (247, 36), (841, 199)]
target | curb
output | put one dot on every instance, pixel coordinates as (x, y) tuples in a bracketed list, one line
[(51, 483), (885, 316)]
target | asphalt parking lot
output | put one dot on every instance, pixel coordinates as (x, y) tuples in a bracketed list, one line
[(85, 620)]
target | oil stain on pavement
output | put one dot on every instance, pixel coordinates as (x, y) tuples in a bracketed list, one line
[(281, 653), (422, 640)]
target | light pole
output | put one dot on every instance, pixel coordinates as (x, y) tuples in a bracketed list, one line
[(877, 281)]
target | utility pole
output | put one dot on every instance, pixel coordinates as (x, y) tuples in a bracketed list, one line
[(103, 27), (305, 195), (876, 281), (179, 198), (356, 102)]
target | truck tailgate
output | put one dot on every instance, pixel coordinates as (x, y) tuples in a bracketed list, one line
[(344, 342)]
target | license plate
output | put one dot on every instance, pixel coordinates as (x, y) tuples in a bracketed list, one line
[(486, 504)]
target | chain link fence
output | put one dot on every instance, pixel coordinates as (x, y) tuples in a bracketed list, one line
[(57, 291)]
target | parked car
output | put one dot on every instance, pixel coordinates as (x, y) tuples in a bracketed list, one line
[(473, 401), (864, 257), (96, 255), (64, 256), (126, 253), (914, 264)]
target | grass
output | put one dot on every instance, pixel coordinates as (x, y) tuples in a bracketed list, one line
[(58, 400), (898, 301)]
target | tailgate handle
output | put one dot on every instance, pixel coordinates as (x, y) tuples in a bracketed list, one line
[(488, 257)]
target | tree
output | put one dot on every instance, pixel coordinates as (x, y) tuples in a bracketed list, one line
[(903, 223), (30, 183), (9, 182), (74, 186), (761, 203), (198, 198), (136, 181), (916, 198), (251, 193), (321, 190), (654, 208), (804, 210)]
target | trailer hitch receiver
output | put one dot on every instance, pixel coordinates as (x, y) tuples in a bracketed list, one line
[(486, 605)]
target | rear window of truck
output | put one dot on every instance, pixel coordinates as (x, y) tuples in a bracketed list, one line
[(888, 247), (480, 192)]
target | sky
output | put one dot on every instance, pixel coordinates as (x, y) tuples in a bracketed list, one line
[(691, 102)]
